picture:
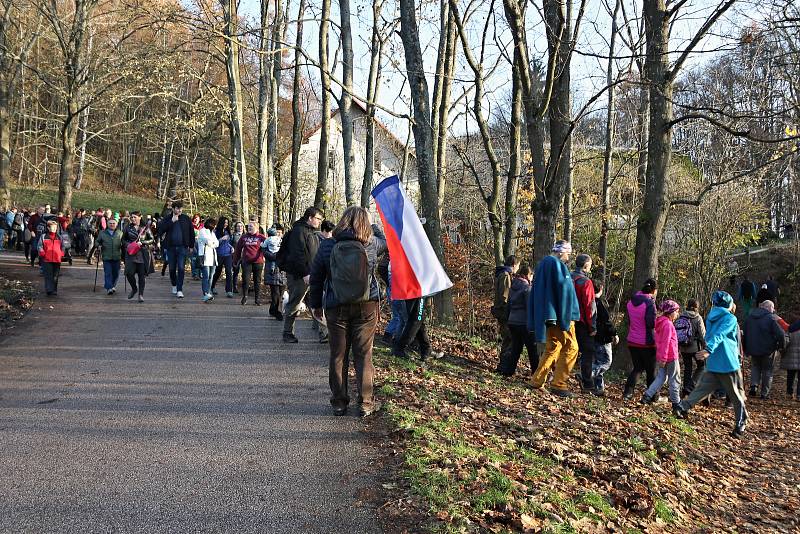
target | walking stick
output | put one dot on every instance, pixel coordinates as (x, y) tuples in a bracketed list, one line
[(96, 267)]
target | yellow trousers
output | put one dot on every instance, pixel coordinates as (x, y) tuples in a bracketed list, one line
[(562, 351)]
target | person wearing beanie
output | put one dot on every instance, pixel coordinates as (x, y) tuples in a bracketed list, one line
[(666, 338), (723, 363), (552, 312), (762, 338)]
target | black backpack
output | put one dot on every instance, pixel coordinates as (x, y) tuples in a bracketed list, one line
[(350, 276), (283, 252)]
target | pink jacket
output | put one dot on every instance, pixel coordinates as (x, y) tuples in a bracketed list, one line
[(666, 340)]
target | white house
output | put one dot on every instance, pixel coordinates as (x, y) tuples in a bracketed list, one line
[(389, 154)]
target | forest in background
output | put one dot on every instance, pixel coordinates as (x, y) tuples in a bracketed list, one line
[(679, 146)]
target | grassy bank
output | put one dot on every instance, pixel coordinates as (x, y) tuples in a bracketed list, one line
[(30, 197)]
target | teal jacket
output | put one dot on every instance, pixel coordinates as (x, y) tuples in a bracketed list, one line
[(722, 341), (554, 299)]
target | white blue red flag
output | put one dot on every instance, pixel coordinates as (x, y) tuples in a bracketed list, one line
[(416, 271)]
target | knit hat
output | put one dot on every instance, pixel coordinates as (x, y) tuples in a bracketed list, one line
[(271, 232), (669, 306), (721, 299), (561, 246)]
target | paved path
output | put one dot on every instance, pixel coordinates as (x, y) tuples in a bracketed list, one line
[(170, 416)]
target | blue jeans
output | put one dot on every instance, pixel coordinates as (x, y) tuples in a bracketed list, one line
[(206, 274), (399, 318), (177, 266), (601, 364), (2, 237), (196, 263), (110, 273)]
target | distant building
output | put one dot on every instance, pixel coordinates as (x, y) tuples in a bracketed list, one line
[(389, 154)]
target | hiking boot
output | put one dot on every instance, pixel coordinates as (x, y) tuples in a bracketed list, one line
[(738, 430), (244, 299), (628, 395), (278, 316), (369, 409), (646, 399), (339, 411), (679, 412), (290, 338), (563, 393), (399, 353), (753, 391), (132, 293)]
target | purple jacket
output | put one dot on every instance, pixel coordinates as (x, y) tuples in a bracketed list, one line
[(641, 320)]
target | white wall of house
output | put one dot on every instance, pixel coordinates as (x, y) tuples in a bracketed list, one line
[(388, 162)]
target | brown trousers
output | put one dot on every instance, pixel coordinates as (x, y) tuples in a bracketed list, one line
[(351, 328)]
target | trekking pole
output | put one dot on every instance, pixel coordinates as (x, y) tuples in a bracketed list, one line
[(96, 268)]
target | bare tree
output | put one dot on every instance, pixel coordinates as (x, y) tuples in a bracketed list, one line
[(346, 100), (297, 116), (325, 76), (240, 204)]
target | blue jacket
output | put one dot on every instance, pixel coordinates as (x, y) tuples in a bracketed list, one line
[(554, 299), (321, 269), (722, 341)]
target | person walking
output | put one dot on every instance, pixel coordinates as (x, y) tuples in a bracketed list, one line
[(605, 339), (667, 357), (207, 244), (723, 363), (517, 321), (274, 278), (395, 326), (36, 228), (641, 336), (691, 334), (137, 240), (50, 249), (586, 328), (747, 295), (224, 257), (552, 312), (295, 259), (248, 253), (762, 338), (110, 243), (790, 362), (344, 292), (503, 278), (177, 234), (238, 232)]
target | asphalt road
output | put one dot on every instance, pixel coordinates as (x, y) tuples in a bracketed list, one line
[(170, 416)]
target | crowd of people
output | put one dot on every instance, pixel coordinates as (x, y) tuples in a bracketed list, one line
[(566, 311), (340, 272)]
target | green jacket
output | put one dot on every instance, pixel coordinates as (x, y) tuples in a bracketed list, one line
[(110, 245)]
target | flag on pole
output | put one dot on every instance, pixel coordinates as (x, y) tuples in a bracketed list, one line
[(416, 271)]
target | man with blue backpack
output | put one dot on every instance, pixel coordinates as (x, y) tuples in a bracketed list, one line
[(691, 341)]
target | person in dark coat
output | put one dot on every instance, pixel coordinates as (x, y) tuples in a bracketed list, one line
[(177, 235), (274, 278), (790, 361), (521, 337), (351, 324), (605, 339), (139, 265), (691, 326), (301, 247), (224, 257), (762, 338), (503, 278)]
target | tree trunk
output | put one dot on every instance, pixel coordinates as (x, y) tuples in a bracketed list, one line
[(605, 208), (324, 71), (69, 139), (373, 84), (443, 116), (5, 146), (515, 162), (239, 182), (423, 134), (265, 59), (297, 119), (653, 215), (345, 110), (233, 171)]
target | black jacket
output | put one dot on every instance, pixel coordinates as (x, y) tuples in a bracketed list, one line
[(518, 297), (302, 244), (187, 230), (605, 327), (761, 335), (321, 269)]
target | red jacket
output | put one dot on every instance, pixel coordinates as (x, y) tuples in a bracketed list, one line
[(248, 249), (584, 290), (51, 248)]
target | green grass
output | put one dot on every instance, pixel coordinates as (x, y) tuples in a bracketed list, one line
[(117, 201), (664, 512), (599, 503), (498, 489)]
